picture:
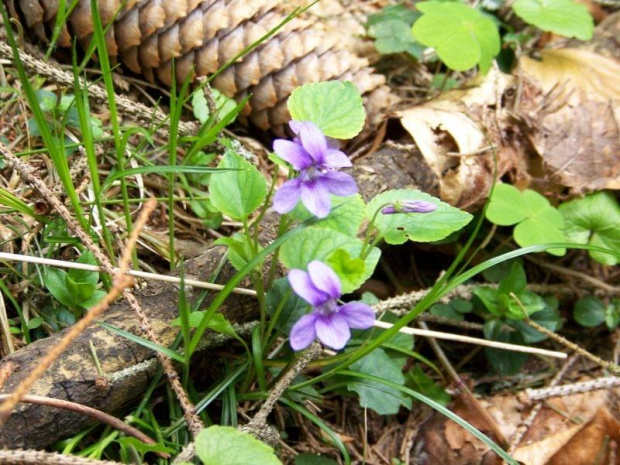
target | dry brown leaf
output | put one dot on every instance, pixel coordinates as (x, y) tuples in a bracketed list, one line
[(577, 445), (572, 106), (454, 132)]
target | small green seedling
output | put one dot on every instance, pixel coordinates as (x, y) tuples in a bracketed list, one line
[(391, 29)]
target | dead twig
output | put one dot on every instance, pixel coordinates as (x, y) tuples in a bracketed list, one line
[(91, 412)]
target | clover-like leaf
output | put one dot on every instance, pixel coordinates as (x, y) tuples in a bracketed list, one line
[(537, 221), (336, 107), (461, 35), (594, 220), (419, 227), (563, 17)]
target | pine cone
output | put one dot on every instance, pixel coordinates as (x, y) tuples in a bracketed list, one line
[(203, 35)]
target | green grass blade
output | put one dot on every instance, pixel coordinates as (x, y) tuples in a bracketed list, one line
[(143, 342), (438, 407)]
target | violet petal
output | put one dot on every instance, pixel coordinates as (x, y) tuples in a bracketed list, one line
[(287, 196), (324, 279), (303, 332), (337, 159), (358, 315), (313, 141), (332, 330), (292, 153), (337, 183), (315, 196), (304, 287)]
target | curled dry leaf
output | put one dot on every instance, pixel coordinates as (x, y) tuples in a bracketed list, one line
[(459, 133), (571, 106)]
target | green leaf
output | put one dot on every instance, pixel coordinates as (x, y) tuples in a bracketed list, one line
[(394, 36), (334, 106), (315, 243), (612, 314), (217, 323), (537, 221), (94, 299), (424, 384), (83, 276), (392, 13), (240, 250), (292, 306), (515, 281), (55, 281), (594, 220), (382, 399), (79, 291), (237, 193), (418, 227), (350, 270), (35, 322), (547, 318), (563, 17), (461, 35), (505, 362), (223, 445), (589, 312), (346, 215), (223, 105)]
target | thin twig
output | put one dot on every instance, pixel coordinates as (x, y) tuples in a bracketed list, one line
[(135, 273), (473, 340), (571, 389), (194, 423), (91, 412)]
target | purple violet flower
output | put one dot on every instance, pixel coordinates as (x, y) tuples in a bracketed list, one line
[(317, 160), (329, 321), (409, 206)]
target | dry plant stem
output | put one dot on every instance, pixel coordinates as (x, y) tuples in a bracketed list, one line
[(471, 399), (607, 382), (135, 109), (259, 422), (37, 457), (194, 423), (577, 274), (91, 412), (612, 367), (402, 304), (135, 273), (529, 421), (472, 340)]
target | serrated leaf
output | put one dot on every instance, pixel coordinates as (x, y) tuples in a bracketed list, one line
[(346, 215), (594, 220), (537, 221), (336, 107), (319, 244), (223, 445), (381, 398), (240, 192), (461, 35), (417, 227), (563, 17)]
